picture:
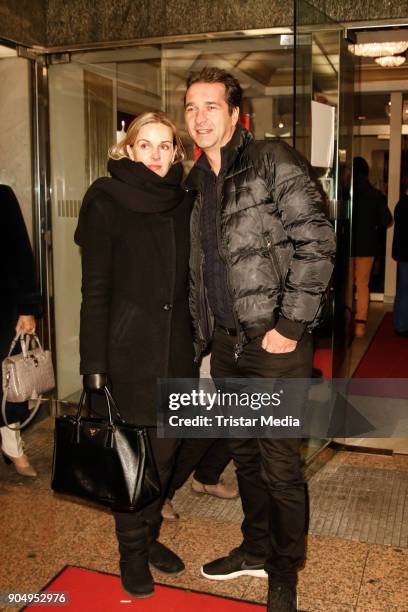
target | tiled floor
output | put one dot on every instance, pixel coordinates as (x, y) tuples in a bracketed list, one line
[(361, 502), (357, 557), (41, 532)]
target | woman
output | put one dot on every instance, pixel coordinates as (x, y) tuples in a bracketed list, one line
[(135, 323), (19, 304)]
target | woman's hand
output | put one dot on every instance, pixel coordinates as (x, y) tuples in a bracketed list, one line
[(25, 324)]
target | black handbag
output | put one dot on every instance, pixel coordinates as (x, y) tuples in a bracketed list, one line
[(105, 461)]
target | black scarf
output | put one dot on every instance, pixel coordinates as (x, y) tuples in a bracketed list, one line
[(136, 187)]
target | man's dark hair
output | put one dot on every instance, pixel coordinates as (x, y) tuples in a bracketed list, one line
[(211, 74), (360, 167)]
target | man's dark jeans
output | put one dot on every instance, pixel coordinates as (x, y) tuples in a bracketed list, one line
[(271, 484)]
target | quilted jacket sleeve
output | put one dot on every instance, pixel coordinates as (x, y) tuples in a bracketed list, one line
[(301, 205)]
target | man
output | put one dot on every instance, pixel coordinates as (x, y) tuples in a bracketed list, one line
[(262, 256)]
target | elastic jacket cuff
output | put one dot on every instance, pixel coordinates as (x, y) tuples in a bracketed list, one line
[(293, 330)]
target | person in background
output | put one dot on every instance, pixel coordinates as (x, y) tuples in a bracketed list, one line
[(370, 216), (19, 304), (133, 230), (400, 254), (208, 458)]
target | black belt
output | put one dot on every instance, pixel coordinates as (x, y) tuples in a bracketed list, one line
[(230, 331)]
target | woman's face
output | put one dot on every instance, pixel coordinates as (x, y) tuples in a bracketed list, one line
[(153, 147)]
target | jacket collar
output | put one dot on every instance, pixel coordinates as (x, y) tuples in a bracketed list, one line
[(229, 153)]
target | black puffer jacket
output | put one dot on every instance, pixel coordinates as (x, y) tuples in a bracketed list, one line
[(274, 236)]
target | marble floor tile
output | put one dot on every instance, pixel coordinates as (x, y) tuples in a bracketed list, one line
[(333, 571), (331, 576), (384, 587), (320, 605)]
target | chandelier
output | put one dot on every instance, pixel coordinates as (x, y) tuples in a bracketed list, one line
[(380, 49), (390, 61)]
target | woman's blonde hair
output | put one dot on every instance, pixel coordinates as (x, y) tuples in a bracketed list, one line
[(118, 151)]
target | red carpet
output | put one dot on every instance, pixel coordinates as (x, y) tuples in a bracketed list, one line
[(387, 355), (323, 360), (91, 591), (384, 365)]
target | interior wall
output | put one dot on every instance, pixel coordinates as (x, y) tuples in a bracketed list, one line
[(15, 130)]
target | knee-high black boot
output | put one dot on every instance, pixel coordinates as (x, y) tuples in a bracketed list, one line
[(136, 577), (160, 557)]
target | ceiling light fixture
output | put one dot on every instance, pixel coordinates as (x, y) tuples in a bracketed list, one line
[(390, 61), (379, 49)]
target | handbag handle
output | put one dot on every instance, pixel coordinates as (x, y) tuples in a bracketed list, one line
[(110, 403), (25, 340)]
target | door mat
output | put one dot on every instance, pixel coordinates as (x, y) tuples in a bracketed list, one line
[(92, 591)]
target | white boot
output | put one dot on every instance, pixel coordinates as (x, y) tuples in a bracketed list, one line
[(11, 442)]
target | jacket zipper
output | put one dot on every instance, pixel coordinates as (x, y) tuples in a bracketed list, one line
[(238, 347), (201, 305), (274, 259)]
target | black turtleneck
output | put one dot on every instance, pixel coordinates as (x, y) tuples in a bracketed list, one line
[(215, 271)]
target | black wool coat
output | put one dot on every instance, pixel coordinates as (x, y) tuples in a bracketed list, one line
[(400, 239), (135, 323), (371, 216), (19, 288)]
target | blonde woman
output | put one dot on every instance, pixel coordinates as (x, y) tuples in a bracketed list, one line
[(135, 322)]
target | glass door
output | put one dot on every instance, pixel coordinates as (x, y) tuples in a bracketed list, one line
[(323, 108)]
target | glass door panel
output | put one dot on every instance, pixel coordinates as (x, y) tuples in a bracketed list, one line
[(323, 133)]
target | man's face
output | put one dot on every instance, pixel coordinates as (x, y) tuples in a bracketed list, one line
[(208, 120)]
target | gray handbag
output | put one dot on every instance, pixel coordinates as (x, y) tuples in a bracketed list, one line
[(26, 375)]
